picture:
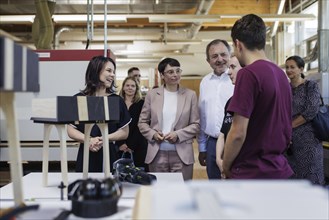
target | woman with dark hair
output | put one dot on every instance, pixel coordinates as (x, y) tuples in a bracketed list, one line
[(99, 81), (169, 121), (306, 152), (136, 144)]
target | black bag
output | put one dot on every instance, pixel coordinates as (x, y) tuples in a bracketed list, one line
[(320, 123), (125, 170)]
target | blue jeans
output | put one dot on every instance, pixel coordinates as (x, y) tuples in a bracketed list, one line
[(213, 171)]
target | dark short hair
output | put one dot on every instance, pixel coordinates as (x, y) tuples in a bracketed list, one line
[(215, 42), (132, 69), (167, 61), (299, 61), (92, 82), (251, 31)]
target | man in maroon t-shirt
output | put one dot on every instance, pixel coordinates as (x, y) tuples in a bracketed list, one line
[(261, 103)]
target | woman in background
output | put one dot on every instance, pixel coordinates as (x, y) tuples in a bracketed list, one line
[(306, 151), (99, 81), (135, 143)]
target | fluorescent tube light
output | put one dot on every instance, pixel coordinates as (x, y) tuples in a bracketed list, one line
[(137, 60), (83, 18), (178, 42), (17, 19), (189, 18), (276, 17)]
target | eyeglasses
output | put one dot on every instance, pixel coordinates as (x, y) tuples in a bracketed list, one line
[(172, 71)]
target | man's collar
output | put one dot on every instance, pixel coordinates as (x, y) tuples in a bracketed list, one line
[(214, 76)]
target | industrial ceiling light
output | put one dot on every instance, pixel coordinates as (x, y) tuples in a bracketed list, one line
[(101, 2), (276, 17), (188, 18), (181, 42), (17, 19), (162, 54), (130, 52), (83, 18), (23, 19), (137, 60)]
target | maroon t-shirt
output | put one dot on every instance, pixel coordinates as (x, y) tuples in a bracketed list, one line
[(262, 93)]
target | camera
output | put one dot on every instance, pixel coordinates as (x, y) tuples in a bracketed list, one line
[(93, 198)]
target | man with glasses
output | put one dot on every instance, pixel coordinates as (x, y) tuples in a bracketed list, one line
[(169, 121), (215, 89)]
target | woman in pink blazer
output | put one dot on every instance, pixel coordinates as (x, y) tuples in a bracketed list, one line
[(169, 121)]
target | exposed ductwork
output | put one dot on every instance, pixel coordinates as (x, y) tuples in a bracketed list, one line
[(203, 9), (42, 27)]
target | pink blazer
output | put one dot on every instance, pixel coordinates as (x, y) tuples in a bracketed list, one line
[(186, 125)]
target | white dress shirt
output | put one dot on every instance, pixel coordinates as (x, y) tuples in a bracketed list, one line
[(214, 93)]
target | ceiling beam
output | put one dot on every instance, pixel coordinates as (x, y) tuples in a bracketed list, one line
[(158, 18)]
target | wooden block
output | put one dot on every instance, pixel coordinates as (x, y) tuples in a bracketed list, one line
[(19, 67), (143, 202), (68, 109)]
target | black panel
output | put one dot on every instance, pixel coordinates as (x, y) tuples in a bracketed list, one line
[(67, 108), (95, 108), (2, 62), (18, 67), (32, 80), (114, 108)]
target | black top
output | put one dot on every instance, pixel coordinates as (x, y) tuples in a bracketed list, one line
[(96, 158), (227, 121), (136, 140)]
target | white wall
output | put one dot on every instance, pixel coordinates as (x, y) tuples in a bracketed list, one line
[(57, 78)]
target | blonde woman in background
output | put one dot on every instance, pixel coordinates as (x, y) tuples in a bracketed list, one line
[(135, 143)]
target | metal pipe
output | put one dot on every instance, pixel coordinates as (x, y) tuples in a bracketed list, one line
[(92, 19), (88, 20), (323, 39), (105, 28), (57, 35)]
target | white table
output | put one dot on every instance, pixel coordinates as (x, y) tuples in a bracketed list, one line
[(49, 197), (239, 199)]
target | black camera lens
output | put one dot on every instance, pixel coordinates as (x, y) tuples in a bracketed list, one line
[(89, 189), (110, 188)]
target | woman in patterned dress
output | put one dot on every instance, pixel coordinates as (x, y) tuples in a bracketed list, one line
[(306, 151)]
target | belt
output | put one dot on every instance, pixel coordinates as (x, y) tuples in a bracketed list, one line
[(212, 137)]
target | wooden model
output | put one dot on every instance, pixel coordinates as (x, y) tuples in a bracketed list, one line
[(19, 72)]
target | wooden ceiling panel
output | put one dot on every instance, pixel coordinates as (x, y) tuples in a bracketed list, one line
[(241, 7)]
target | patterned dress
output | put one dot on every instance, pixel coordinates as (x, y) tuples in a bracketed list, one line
[(306, 157)]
